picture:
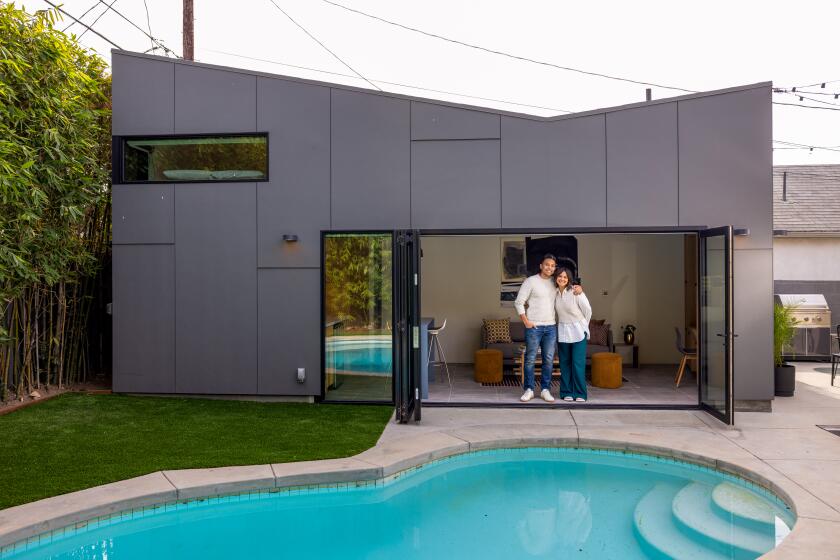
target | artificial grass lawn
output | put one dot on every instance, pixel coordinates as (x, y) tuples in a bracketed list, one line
[(76, 441)]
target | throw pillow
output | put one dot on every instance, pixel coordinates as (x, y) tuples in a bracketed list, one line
[(496, 330), (598, 333)]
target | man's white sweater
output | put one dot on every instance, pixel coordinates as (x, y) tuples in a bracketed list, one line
[(539, 293)]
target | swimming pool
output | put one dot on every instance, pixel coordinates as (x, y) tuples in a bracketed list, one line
[(508, 503)]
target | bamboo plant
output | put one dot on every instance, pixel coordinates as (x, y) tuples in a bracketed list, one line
[(55, 212)]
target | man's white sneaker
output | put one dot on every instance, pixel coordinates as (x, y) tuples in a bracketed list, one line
[(568, 399), (546, 395), (580, 399), (527, 395)]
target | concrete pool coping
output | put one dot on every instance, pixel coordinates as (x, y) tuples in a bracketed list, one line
[(682, 435)]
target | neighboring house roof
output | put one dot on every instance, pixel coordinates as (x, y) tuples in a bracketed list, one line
[(812, 201)]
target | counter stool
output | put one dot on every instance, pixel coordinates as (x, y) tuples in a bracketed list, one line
[(488, 366), (606, 370), (434, 344)]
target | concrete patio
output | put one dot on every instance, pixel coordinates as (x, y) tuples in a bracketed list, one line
[(784, 451)]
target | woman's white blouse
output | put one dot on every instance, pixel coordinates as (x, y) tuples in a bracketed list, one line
[(573, 314)]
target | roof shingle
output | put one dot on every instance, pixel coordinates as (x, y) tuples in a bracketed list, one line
[(812, 204)]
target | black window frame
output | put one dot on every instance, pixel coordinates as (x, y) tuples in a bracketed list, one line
[(118, 161)]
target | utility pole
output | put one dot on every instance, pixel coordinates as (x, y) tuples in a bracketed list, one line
[(188, 30)]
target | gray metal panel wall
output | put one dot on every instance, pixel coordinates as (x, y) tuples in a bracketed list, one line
[(296, 200), (753, 324), (289, 323), (143, 214), (642, 167), (438, 122), (455, 184), (141, 92), (216, 287), (371, 156), (210, 101), (144, 318), (554, 174), (725, 144)]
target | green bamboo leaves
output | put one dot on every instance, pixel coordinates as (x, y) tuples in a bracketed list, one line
[(54, 195)]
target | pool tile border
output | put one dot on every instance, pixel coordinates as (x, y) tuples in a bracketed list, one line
[(379, 466)]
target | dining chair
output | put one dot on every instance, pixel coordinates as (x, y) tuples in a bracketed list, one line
[(688, 354)]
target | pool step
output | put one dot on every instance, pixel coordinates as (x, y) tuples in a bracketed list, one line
[(658, 533), (693, 512), (744, 507)]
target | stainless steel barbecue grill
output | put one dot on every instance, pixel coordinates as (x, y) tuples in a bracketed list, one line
[(813, 326)]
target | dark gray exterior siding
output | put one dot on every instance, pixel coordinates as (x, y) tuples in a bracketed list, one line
[(554, 174), (642, 167), (296, 199), (216, 287), (144, 313), (209, 299), (371, 159)]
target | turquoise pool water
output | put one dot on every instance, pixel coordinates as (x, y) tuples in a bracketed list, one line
[(505, 504)]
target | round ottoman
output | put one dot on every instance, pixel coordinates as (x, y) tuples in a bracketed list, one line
[(606, 370), (488, 366)]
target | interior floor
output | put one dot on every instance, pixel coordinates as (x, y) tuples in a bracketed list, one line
[(646, 385)]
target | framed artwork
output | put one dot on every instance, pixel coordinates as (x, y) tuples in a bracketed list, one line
[(514, 263)]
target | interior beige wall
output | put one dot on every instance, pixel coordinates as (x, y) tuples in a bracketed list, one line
[(628, 278)]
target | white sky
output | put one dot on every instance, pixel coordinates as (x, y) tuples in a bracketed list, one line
[(694, 45)]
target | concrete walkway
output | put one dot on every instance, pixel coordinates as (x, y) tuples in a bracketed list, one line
[(784, 451)]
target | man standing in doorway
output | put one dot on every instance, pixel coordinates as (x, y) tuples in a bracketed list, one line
[(539, 292)]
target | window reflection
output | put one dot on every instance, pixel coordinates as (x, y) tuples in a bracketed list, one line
[(357, 304)]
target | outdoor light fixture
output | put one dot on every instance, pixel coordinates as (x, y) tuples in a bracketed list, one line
[(301, 375), (290, 238)]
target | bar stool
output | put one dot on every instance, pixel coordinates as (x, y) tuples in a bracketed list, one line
[(434, 344)]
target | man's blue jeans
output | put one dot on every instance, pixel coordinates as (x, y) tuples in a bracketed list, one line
[(544, 337)]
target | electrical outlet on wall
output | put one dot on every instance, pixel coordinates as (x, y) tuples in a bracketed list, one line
[(605, 293)]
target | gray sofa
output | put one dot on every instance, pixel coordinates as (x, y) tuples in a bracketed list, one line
[(510, 350)]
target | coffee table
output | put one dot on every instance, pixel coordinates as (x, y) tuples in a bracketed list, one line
[(519, 365)]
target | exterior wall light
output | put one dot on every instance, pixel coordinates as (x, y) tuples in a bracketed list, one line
[(290, 238)]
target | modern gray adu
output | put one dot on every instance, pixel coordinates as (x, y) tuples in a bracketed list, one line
[(281, 237)]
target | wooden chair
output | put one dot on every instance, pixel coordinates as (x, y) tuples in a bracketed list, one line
[(687, 354)]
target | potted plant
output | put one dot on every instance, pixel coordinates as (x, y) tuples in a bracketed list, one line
[(784, 327), (629, 334)]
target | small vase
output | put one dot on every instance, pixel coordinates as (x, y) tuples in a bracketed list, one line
[(629, 337)]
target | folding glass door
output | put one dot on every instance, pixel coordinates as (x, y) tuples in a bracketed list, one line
[(716, 334), (357, 303)]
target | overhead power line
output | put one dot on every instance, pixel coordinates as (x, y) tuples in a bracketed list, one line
[(166, 49), (311, 36), (83, 24), (149, 22), (813, 99), (72, 23), (502, 53), (94, 22), (806, 106), (495, 100), (807, 146), (821, 84)]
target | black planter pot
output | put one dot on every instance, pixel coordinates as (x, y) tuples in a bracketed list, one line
[(785, 377)]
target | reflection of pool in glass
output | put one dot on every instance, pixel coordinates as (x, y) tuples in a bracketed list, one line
[(361, 355), (511, 503)]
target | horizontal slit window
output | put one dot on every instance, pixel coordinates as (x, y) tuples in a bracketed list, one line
[(195, 159)]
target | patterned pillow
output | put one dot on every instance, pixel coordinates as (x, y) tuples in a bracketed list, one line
[(496, 330), (598, 333)]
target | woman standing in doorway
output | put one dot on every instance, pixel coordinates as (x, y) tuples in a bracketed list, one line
[(573, 315)]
